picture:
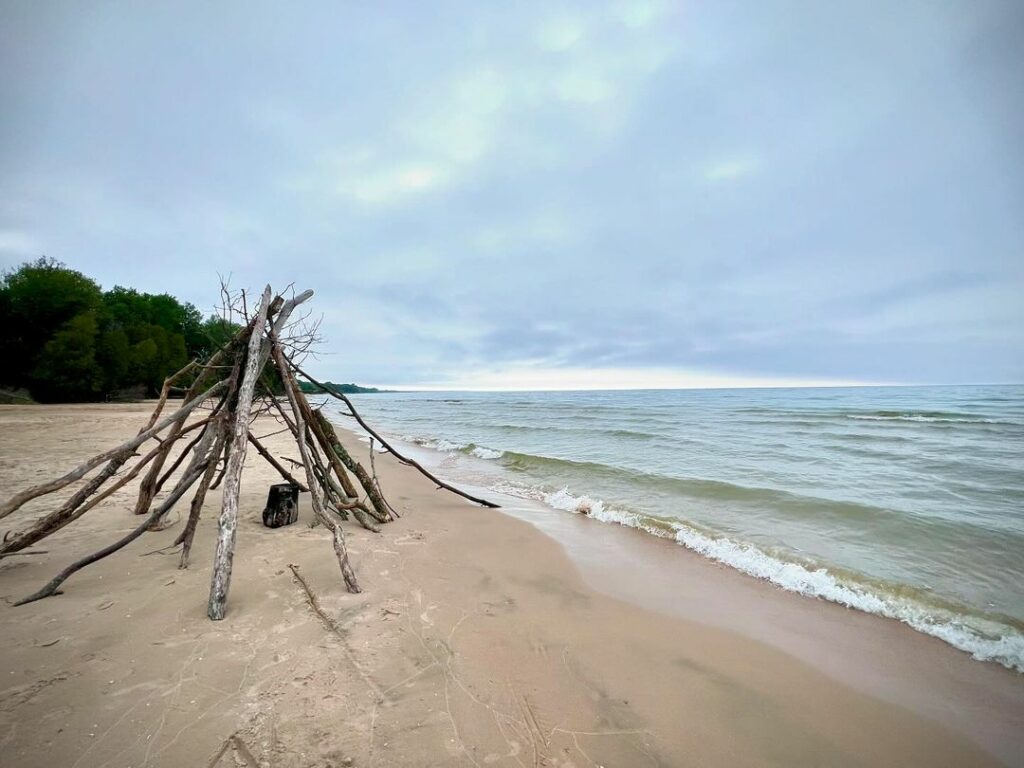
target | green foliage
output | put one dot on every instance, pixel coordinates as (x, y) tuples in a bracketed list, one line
[(347, 389), (66, 368), (64, 339), (38, 299)]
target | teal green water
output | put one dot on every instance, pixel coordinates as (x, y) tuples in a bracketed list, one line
[(907, 502)]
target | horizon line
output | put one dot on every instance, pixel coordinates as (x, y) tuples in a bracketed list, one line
[(874, 385)]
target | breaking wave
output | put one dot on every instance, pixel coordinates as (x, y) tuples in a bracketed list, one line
[(985, 638)]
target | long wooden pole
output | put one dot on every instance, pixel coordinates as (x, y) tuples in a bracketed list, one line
[(227, 525), (285, 474), (51, 587), (188, 533), (292, 390), (379, 504)]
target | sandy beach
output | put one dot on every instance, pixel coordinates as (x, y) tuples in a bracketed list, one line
[(519, 637)]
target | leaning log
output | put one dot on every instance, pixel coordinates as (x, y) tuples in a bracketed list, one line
[(52, 586), (293, 393), (285, 474), (228, 522), (315, 426), (379, 505), (187, 535)]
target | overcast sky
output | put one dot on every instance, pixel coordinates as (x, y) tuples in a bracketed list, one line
[(603, 194)]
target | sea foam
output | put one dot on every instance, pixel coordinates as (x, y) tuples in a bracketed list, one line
[(985, 640)]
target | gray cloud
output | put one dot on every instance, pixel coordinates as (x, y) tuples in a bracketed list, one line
[(760, 190)]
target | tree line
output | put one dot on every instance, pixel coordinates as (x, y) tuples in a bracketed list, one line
[(64, 339), (310, 388)]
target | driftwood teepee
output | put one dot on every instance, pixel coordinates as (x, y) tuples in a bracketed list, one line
[(225, 394)]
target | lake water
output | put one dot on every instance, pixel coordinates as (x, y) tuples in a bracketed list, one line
[(906, 502)]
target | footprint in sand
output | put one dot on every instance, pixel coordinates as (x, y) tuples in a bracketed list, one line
[(413, 537)]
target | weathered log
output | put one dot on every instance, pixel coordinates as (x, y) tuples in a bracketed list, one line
[(282, 505), (380, 506), (336, 501), (19, 499), (340, 500), (341, 552), (228, 523), (188, 533), (202, 455), (315, 426), (51, 587), (65, 513), (362, 516), (334, 498), (288, 478), (224, 466), (293, 393)]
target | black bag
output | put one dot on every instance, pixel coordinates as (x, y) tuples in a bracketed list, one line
[(282, 505)]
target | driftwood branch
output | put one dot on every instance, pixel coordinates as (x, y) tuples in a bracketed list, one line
[(196, 508), (357, 469), (228, 522), (51, 587), (293, 393), (285, 474)]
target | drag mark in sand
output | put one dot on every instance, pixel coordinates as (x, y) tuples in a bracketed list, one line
[(332, 625)]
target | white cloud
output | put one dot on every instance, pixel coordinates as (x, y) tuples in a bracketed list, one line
[(362, 179), (730, 169), (460, 126), (639, 14), (548, 228), (487, 109), (559, 33), (584, 86)]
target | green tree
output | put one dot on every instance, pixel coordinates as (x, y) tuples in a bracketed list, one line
[(66, 368), (37, 300), (143, 361), (64, 338), (113, 353)]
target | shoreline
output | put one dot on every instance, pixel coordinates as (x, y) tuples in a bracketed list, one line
[(479, 640), (558, 479), (877, 655)]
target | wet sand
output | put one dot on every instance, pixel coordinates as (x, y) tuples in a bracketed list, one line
[(479, 640)]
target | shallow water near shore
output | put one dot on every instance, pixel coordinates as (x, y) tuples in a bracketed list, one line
[(906, 502)]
